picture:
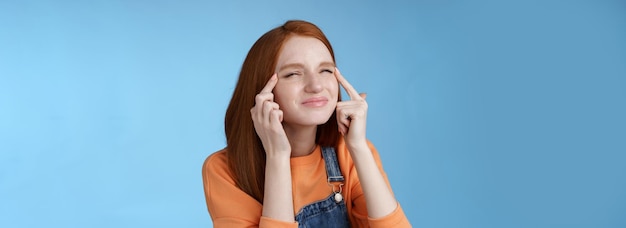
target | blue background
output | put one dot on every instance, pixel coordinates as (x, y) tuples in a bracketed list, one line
[(486, 113)]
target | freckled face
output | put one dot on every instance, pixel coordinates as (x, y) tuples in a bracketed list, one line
[(307, 89)]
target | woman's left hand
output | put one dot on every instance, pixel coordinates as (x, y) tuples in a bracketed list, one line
[(352, 114), (351, 117)]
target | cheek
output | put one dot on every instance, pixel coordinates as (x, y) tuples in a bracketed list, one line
[(333, 88), (282, 94)]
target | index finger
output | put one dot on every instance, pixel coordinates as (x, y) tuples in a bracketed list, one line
[(270, 85), (354, 95)]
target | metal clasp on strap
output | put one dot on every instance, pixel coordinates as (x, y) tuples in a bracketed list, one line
[(333, 186), (338, 196)]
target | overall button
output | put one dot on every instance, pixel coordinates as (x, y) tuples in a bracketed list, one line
[(338, 197)]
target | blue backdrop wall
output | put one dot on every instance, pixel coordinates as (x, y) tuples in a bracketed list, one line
[(486, 113)]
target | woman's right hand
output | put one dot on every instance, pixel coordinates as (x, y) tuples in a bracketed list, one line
[(268, 118)]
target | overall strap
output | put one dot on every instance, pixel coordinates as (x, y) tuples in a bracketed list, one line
[(332, 165)]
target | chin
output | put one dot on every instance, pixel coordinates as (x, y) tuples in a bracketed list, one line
[(318, 121), (310, 120)]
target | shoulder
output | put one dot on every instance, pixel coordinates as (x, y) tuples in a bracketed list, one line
[(216, 165), (216, 159), (228, 205)]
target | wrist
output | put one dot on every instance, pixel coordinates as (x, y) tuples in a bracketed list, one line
[(358, 148), (275, 159), (280, 154)]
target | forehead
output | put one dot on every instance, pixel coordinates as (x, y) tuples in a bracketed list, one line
[(303, 49)]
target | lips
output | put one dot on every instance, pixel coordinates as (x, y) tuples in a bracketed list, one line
[(315, 102)]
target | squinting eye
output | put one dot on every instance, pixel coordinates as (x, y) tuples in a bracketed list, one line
[(326, 71), (289, 75)]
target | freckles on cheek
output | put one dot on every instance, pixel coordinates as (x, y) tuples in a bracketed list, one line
[(333, 87), (277, 96), (280, 95)]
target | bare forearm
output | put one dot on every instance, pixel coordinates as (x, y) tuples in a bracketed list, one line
[(379, 198), (277, 199)]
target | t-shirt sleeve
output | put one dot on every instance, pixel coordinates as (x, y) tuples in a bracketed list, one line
[(228, 205), (397, 218)]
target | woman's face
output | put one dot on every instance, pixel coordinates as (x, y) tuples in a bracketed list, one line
[(307, 89)]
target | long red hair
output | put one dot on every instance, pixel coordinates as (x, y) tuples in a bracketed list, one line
[(246, 156)]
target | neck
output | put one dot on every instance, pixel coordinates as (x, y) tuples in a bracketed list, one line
[(301, 139)]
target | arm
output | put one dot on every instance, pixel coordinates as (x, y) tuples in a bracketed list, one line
[(379, 198), (359, 213), (228, 205), (267, 118), (351, 118), (360, 218), (278, 199)]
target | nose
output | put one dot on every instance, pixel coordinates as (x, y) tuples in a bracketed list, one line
[(313, 83)]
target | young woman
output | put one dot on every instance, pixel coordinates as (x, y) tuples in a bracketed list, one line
[(296, 155)]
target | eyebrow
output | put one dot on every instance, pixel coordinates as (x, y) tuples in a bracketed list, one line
[(330, 64), (299, 65)]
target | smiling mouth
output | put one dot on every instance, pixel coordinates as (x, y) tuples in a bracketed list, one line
[(315, 102)]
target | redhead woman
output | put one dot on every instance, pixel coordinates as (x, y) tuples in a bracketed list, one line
[(297, 154)]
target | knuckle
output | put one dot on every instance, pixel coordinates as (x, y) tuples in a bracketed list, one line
[(272, 112), (258, 99)]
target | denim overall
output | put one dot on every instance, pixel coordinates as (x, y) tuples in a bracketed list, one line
[(329, 212)]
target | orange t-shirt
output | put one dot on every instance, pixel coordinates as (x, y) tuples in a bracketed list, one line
[(229, 206)]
